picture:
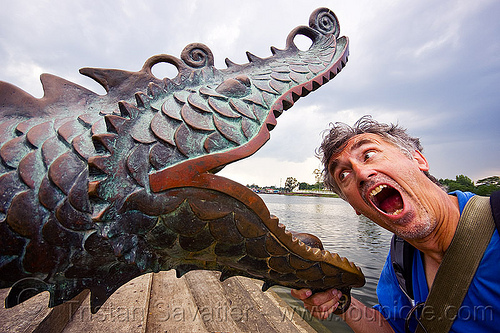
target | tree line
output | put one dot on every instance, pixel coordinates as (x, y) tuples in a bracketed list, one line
[(484, 186)]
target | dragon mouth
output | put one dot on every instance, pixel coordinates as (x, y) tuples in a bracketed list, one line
[(387, 199), (137, 178)]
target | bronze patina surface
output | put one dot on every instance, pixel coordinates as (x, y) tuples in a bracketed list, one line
[(96, 190)]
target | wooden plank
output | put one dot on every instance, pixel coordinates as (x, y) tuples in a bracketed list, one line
[(243, 304), (125, 311), (172, 308), (218, 313), (273, 308), (199, 302), (34, 315), (26, 316), (196, 303), (60, 315)]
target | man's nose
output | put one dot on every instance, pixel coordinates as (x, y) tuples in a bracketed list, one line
[(363, 173)]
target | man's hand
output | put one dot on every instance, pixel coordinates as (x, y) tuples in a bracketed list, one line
[(359, 317), (320, 304)]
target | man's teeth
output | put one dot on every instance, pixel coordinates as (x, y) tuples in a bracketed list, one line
[(377, 190), (397, 212)]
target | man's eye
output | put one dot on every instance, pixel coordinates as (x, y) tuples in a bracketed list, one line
[(369, 154), (343, 174)]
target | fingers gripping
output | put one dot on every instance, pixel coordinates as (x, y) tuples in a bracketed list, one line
[(344, 302), (322, 304)]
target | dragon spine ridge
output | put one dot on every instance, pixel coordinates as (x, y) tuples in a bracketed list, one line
[(96, 190)]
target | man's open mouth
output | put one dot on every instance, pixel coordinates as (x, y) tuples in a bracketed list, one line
[(387, 199)]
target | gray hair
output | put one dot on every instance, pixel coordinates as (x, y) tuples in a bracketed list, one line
[(336, 139)]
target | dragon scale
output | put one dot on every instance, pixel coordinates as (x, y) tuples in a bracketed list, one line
[(96, 190)]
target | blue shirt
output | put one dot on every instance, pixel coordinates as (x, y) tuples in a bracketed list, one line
[(480, 310)]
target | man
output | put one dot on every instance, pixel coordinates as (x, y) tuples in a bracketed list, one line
[(380, 170)]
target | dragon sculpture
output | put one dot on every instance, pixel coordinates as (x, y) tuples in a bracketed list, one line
[(96, 190)]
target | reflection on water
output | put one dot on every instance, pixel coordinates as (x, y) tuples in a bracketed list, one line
[(341, 231)]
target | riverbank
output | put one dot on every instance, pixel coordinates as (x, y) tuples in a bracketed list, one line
[(313, 194)]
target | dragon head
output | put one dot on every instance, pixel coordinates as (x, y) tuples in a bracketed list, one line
[(132, 188)]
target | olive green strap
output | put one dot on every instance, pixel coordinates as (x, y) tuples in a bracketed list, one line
[(458, 267)]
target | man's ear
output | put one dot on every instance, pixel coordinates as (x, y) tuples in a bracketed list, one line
[(423, 165)]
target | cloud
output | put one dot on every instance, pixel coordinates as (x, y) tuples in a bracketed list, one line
[(264, 171)]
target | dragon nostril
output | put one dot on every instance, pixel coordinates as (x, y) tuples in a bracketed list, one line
[(237, 87), (308, 239), (243, 79)]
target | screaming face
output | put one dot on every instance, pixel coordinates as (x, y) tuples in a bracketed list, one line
[(384, 184)]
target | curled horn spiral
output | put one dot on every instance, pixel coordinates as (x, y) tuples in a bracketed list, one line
[(197, 55), (325, 21)]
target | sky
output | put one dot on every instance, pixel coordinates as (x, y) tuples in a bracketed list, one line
[(431, 66)]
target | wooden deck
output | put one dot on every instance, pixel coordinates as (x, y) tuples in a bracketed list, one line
[(160, 302)]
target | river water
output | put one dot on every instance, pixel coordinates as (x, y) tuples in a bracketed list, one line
[(341, 231)]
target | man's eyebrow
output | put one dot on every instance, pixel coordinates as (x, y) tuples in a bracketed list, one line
[(333, 163), (361, 143)]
